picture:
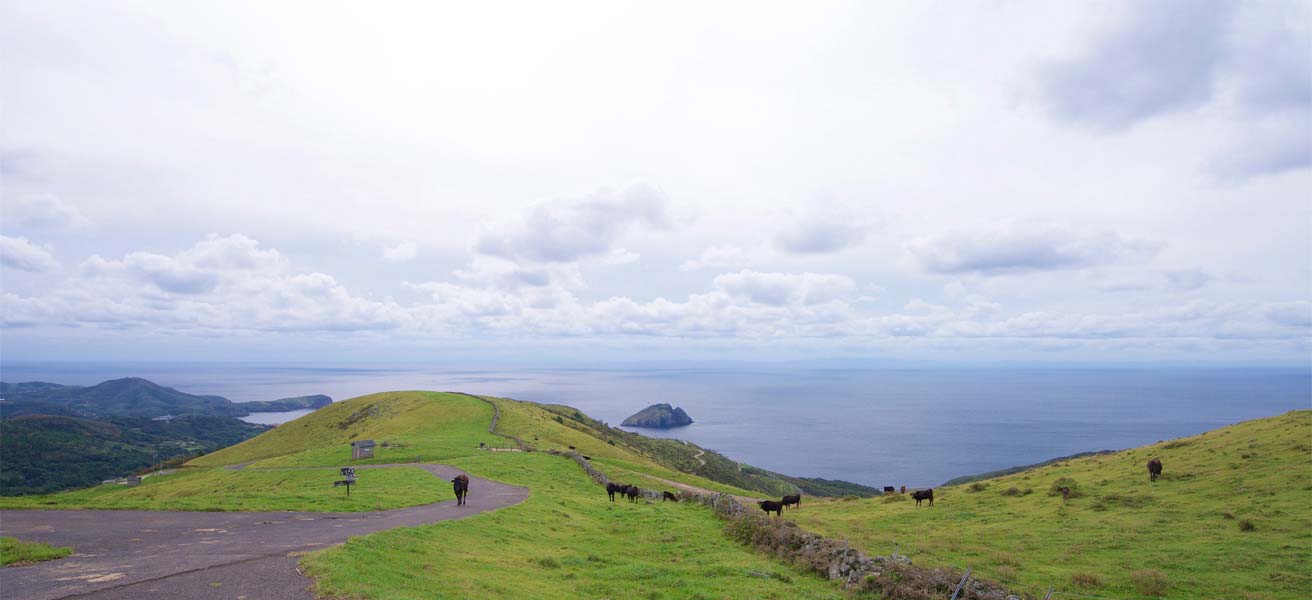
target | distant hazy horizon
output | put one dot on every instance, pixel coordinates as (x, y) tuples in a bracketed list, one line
[(877, 426)]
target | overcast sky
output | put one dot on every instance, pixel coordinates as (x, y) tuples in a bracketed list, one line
[(588, 182)]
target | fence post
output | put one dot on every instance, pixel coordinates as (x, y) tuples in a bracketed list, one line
[(1048, 595), (960, 585)]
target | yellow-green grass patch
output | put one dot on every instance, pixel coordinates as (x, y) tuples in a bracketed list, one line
[(1189, 525), (249, 490), (566, 541), (428, 425), (14, 551)]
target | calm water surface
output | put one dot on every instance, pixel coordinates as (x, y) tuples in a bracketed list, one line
[(874, 426)]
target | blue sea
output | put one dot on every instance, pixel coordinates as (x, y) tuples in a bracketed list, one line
[(908, 426)]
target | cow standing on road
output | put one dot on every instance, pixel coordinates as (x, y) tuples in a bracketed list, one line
[(461, 486)]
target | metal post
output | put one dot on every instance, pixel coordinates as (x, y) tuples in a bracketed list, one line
[(960, 585), (1048, 595)]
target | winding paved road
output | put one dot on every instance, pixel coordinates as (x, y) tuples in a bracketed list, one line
[(133, 554)]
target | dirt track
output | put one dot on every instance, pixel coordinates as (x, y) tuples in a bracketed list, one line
[(122, 554)]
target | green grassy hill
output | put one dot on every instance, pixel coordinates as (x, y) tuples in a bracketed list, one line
[(1231, 517)]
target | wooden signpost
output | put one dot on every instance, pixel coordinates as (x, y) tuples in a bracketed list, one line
[(349, 474)]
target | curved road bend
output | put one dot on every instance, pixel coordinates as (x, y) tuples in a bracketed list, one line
[(122, 554)]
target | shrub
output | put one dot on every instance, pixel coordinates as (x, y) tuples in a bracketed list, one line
[(1246, 525), (1085, 580), (1065, 482), (1149, 582), (1011, 491), (547, 562), (977, 487)]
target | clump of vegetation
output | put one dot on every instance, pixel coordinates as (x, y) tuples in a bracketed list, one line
[(1176, 444), (977, 487), (1149, 582), (1011, 491), (1085, 580), (1228, 515), (1005, 558), (894, 497), (1006, 573), (547, 562), (1065, 482), (14, 551), (1246, 525)]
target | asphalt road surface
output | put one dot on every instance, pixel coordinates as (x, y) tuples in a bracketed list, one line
[(122, 554)]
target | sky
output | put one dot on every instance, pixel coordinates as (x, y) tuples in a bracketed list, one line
[(580, 183)]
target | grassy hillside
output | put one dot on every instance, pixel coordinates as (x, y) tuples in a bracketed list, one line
[(428, 425), (225, 490), (556, 426), (566, 541), (1231, 517)]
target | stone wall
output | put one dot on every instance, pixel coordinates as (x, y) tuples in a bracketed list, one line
[(892, 576)]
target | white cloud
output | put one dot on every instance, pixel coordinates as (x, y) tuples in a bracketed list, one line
[(1018, 247), (781, 289), (821, 236), (717, 257), (18, 253), (401, 252), (42, 211), (226, 283), (568, 231)]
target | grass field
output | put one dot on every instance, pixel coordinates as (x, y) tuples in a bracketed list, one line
[(248, 490), (14, 551), (566, 541), (428, 425), (1231, 517)]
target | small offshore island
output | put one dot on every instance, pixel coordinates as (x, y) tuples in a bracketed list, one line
[(658, 416)]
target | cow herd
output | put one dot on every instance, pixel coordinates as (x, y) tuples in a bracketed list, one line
[(777, 506)]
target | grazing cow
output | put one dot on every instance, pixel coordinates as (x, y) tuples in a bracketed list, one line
[(770, 506), (611, 488), (791, 500), (461, 486), (1065, 493), (904, 490), (919, 495), (888, 489), (668, 495), (1154, 469), (632, 492)]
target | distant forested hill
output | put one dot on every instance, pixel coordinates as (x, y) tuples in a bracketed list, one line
[(48, 453), (132, 397)]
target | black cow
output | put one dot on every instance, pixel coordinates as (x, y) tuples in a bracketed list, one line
[(888, 489), (795, 499), (667, 495), (632, 491), (461, 486), (611, 488), (770, 506), (919, 495), (904, 489), (1154, 469)]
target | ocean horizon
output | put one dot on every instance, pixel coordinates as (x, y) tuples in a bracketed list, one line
[(914, 426)]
